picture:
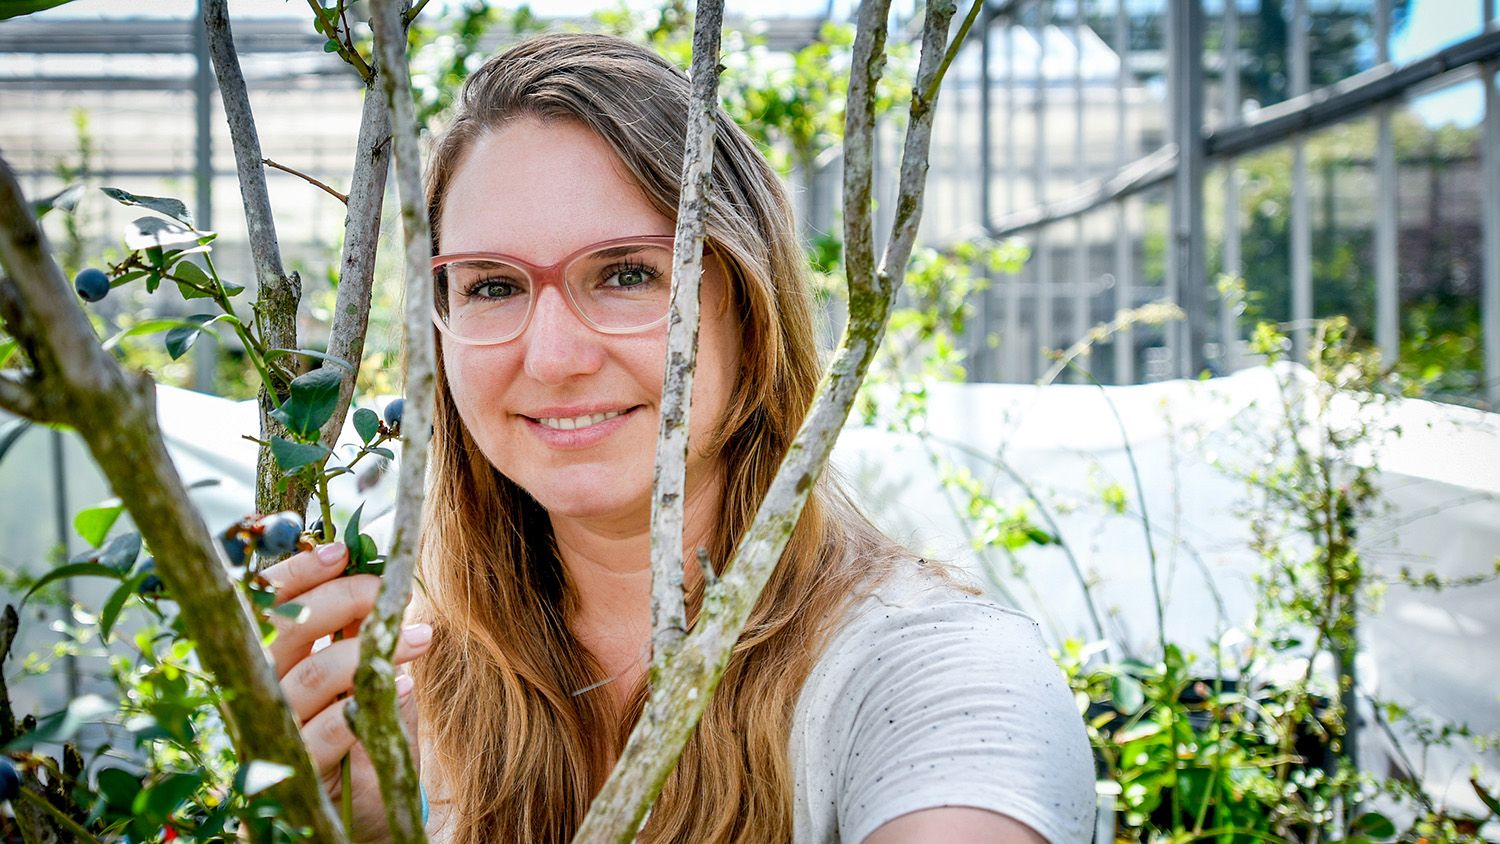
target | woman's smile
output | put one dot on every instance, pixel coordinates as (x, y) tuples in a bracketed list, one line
[(566, 430)]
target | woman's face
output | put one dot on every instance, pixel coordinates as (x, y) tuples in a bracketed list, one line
[(539, 192)]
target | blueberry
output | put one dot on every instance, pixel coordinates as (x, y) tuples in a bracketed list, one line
[(92, 284), (316, 529), (279, 533), (151, 587), (234, 549), (393, 413), (10, 780)]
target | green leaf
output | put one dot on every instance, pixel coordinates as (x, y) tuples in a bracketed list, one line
[(7, 349), (155, 233), (94, 523), (1374, 825), (231, 289), (62, 726), (112, 607), (367, 549), (119, 787), (16, 8), (366, 423), (273, 354), (162, 799), (174, 208), (291, 456), (351, 529), (292, 610), (120, 553), (1127, 693), (64, 200), (182, 338), (196, 278), (312, 400), (330, 46), (72, 570), (152, 326), (384, 452)]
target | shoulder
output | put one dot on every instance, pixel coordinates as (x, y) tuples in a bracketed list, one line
[(930, 696)]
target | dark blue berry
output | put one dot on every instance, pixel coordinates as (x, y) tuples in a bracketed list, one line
[(10, 780), (234, 548), (151, 587), (92, 284), (393, 413), (279, 533), (317, 528)]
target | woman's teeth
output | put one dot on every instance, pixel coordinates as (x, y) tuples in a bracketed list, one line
[(579, 421)]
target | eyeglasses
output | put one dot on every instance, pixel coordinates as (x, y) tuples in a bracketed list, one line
[(618, 286)]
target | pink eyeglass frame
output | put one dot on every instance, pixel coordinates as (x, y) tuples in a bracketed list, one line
[(540, 277)]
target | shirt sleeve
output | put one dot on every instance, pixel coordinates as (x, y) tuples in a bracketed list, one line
[(959, 704)]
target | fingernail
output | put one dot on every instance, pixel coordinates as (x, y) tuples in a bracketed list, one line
[(331, 553), (417, 634), (404, 684)]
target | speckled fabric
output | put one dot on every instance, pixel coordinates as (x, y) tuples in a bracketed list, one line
[(929, 697)]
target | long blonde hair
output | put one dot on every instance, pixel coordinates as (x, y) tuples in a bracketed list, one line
[(497, 687)]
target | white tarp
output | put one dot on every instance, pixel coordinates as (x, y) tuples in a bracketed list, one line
[(1438, 652)]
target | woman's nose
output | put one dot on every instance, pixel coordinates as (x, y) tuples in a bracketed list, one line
[(559, 345)]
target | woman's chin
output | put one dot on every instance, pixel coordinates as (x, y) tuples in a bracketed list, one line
[(591, 497)]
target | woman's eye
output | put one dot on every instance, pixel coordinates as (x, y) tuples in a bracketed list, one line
[(634, 275), (491, 289)]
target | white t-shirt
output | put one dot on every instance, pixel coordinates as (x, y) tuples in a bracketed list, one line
[(930, 697)]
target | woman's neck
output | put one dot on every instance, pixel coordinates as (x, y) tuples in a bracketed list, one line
[(608, 567)]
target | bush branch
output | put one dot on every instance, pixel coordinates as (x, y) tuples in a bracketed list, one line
[(668, 614), (306, 178), (277, 294), (377, 718), (351, 310), (114, 411)]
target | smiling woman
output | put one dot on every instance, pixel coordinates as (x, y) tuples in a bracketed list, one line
[(872, 697)]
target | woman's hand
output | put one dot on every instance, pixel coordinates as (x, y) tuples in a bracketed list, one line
[(314, 683)]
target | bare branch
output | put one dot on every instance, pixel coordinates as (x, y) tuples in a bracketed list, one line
[(668, 615), (351, 310), (377, 719), (278, 294), (115, 413), (306, 178)]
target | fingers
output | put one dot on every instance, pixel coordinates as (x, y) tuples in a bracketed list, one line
[(315, 682), (329, 738), (301, 572), (338, 605)]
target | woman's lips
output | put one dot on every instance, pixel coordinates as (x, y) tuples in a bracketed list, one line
[(577, 438)]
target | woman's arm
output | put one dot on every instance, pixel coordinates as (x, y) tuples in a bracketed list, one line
[(954, 823)]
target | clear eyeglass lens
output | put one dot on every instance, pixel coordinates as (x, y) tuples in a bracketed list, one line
[(617, 287)]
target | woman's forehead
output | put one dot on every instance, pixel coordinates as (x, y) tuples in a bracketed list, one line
[(541, 190)]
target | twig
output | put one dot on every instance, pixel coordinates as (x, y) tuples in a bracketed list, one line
[(930, 93), (1140, 493), (278, 293), (668, 616), (115, 413), (680, 696), (351, 310), (58, 817), (377, 718), (306, 178)]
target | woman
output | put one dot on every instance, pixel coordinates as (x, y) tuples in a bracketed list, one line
[(869, 699)]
